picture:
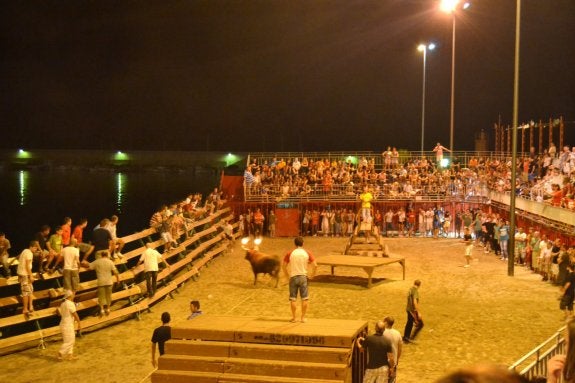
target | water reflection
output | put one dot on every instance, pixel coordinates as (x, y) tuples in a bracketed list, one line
[(120, 179), (23, 177)]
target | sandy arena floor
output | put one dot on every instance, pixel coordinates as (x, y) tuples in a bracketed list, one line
[(472, 315)]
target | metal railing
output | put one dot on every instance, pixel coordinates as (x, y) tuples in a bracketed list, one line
[(534, 363), (350, 193)]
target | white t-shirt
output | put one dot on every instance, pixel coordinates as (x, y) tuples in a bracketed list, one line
[(151, 259), (394, 338), (71, 257), (25, 257), (297, 261)]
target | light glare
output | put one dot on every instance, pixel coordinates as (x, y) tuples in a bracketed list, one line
[(448, 6)]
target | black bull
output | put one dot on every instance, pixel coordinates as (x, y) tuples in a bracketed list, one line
[(264, 264)]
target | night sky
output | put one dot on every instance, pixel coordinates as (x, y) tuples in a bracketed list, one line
[(274, 75)]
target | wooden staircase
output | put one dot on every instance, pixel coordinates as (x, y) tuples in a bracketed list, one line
[(230, 349), (365, 240)]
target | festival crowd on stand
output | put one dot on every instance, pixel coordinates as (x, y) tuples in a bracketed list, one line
[(546, 177)]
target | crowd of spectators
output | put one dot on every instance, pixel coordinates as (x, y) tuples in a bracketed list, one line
[(170, 221), (544, 177)]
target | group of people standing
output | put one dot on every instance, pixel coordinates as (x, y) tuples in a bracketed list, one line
[(385, 346)]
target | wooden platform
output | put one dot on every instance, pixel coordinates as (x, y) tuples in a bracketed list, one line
[(214, 349), (368, 264)]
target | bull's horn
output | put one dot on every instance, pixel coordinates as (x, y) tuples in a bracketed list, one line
[(245, 242)]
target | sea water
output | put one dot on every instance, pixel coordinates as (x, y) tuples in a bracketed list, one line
[(32, 198)]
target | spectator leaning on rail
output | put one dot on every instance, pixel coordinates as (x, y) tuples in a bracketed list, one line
[(380, 362)]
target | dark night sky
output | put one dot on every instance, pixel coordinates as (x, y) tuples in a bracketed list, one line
[(271, 75)]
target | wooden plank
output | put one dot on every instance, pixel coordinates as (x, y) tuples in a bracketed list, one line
[(198, 347), (356, 261), (257, 351), (139, 235), (169, 376), (290, 353), (191, 363), (252, 366), (282, 368), (315, 332), (160, 376), (234, 378), (368, 264)]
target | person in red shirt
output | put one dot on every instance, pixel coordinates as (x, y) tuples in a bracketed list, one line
[(78, 234), (411, 221), (258, 223), (66, 231)]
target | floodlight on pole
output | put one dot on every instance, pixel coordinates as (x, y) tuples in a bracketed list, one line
[(450, 6), (424, 48)]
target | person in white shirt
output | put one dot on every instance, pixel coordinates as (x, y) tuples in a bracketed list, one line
[(26, 278), (71, 255), (67, 311), (112, 227), (396, 341), (545, 256), (295, 266), (151, 259)]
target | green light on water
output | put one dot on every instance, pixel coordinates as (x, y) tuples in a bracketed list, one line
[(23, 154), (121, 156)]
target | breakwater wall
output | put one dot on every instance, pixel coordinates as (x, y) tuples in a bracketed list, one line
[(102, 159)]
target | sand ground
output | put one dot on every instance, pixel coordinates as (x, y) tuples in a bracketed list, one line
[(472, 315)]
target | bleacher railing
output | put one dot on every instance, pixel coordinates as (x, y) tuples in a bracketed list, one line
[(534, 363)]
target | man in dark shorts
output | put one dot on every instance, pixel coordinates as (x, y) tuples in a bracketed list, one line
[(161, 335), (568, 290)]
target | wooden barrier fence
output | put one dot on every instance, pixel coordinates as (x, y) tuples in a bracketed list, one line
[(199, 244)]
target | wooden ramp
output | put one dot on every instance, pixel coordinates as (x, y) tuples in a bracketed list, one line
[(366, 241), (225, 349)]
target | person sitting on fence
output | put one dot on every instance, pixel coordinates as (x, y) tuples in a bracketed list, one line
[(4, 256)]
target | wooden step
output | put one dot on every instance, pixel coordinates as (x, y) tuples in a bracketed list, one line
[(315, 332), (258, 351), (246, 366), (160, 376)]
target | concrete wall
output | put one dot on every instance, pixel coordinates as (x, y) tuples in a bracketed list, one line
[(136, 159)]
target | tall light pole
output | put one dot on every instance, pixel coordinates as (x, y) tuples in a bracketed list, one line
[(450, 6), (423, 48), (511, 258)]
